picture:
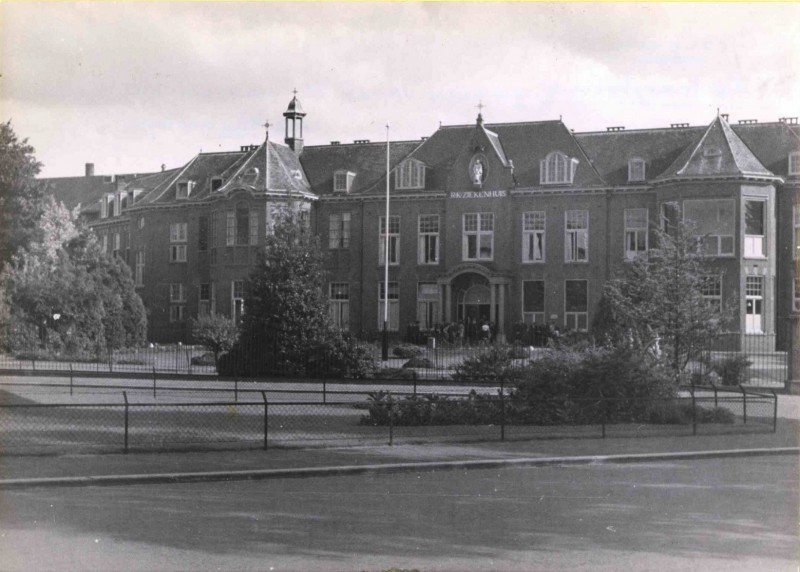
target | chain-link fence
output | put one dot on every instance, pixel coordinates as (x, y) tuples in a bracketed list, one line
[(121, 423)]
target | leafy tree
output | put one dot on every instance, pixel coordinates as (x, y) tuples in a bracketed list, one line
[(21, 195), (658, 299), (215, 332)]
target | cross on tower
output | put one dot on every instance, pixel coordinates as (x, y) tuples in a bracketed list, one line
[(266, 126), (480, 107)]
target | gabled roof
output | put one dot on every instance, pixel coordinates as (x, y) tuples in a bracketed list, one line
[(278, 161), (719, 152), (771, 143), (86, 192), (366, 160)]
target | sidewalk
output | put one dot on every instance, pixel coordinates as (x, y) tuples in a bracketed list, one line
[(291, 462)]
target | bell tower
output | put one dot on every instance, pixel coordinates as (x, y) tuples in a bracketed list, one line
[(294, 124)]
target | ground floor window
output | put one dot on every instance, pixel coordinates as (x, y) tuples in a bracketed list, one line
[(177, 300), (393, 322), (576, 305), (237, 300), (754, 305), (711, 289), (339, 304), (207, 300), (427, 305), (533, 302)]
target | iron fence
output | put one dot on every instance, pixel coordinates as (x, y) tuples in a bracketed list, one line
[(121, 423)]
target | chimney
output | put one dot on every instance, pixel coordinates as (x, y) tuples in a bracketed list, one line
[(89, 169)]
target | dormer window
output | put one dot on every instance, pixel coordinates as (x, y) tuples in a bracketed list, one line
[(557, 168), (184, 189), (410, 175), (216, 183), (104, 207), (136, 194), (252, 173), (635, 170), (343, 181), (116, 201), (794, 163)]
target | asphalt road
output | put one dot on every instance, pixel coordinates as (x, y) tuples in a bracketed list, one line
[(725, 514)]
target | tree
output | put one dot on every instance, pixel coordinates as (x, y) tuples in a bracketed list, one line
[(215, 332), (658, 299), (21, 196)]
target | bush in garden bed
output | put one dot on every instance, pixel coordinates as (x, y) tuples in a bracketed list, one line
[(408, 351)]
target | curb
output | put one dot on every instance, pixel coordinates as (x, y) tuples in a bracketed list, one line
[(307, 472)]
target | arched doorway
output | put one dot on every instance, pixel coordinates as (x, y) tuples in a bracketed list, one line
[(474, 303)]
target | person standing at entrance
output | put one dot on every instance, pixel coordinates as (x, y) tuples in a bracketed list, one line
[(485, 332)]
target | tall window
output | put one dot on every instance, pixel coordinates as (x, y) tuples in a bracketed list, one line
[(533, 224), (557, 168), (117, 244), (635, 170), (104, 240), (253, 228), (230, 228), (478, 237), (533, 302), (237, 300), (339, 303), (212, 236), (635, 232), (714, 224), (394, 240), (427, 305), (138, 275), (429, 239), (242, 225), (755, 244), (207, 299), (797, 293), (393, 323), (794, 163), (576, 238), (339, 231), (177, 301), (711, 290), (754, 304), (576, 305), (410, 175), (177, 239), (202, 234), (797, 232)]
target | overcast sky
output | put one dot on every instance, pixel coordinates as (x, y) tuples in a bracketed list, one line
[(132, 86)]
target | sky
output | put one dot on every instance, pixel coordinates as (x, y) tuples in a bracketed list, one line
[(132, 86)]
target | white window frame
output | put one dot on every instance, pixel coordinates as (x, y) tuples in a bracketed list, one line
[(237, 295), (428, 226), (339, 231), (534, 316), (178, 236), (572, 319), (393, 323), (576, 237), (253, 227), (717, 239), (230, 228), (104, 239), (117, 244), (141, 222), (206, 306), (483, 227), (177, 292), (636, 232), (339, 304), (557, 169), (534, 224), (636, 170), (394, 240), (177, 313), (139, 268), (711, 290), (183, 189), (427, 305), (754, 298), (410, 175), (343, 181), (755, 245), (794, 163)]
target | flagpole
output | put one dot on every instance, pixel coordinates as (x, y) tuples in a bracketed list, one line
[(385, 345)]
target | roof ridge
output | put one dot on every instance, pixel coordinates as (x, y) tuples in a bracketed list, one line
[(363, 144), (173, 179), (727, 125)]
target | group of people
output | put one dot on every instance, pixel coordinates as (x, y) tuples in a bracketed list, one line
[(465, 332)]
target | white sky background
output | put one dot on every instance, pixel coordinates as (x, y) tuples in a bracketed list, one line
[(132, 86)]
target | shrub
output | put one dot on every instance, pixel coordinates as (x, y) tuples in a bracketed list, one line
[(420, 362), (216, 333), (431, 410), (732, 370), (496, 363), (407, 351), (395, 373)]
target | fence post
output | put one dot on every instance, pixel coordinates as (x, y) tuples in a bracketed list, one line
[(33, 363), (744, 404), (694, 413), (415, 383), (266, 417), (391, 420), (603, 414), (154, 382), (324, 391), (714, 387), (111, 361), (125, 396), (70, 379), (502, 410), (775, 412), (236, 390)]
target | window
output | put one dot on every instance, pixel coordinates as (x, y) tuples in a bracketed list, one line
[(797, 293), (478, 236), (714, 223), (794, 163), (339, 231), (533, 302), (230, 228), (797, 232), (635, 232), (216, 183), (141, 222), (184, 189), (427, 305), (339, 303), (557, 168), (576, 236), (177, 298), (711, 290), (242, 225), (576, 305), (635, 170), (670, 216), (202, 234), (207, 300), (105, 243), (177, 234), (139, 269), (393, 323), (394, 240), (428, 239), (343, 181), (104, 207), (754, 303), (253, 226), (755, 243), (533, 236), (117, 244), (410, 175), (212, 236), (237, 300)]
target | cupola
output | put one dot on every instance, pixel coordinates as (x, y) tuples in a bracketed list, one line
[(294, 124)]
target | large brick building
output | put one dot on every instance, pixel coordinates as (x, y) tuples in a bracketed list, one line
[(507, 222)]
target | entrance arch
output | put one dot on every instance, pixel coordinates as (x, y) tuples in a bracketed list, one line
[(474, 292)]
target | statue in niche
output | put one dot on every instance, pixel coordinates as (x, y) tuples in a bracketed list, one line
[(477, 171)]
